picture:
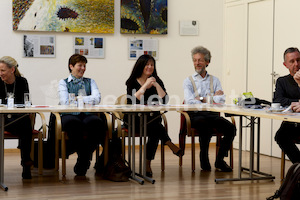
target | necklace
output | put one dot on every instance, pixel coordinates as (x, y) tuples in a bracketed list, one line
[(13, 89)]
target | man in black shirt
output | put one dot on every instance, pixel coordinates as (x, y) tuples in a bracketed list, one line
[(288, 91)]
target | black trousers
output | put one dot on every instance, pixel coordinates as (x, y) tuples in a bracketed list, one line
[(155, 132), (285, 138), (21, 128), (205, 123), (85, 132)]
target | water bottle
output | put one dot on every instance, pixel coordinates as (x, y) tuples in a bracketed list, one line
[(80, 101), (10, 102)]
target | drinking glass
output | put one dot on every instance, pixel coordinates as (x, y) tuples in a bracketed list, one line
[(80, 101), (72, 101), (27, 100)]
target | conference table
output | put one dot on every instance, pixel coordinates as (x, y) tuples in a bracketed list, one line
[(254, 116), (142, 111)]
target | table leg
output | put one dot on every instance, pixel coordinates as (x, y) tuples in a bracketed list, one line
[(141, 167), (131, 137), (251, 146), (144, 145), (251, 169), (240, 147), (2, 185), (142, 148), (264, 176), (144, 136), (258, 144), (133, 146)]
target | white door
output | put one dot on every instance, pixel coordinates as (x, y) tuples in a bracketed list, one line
[(235, 38), (260, 56)]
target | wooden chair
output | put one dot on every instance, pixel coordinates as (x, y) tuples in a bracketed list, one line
[(62, 136), (36, 134), (187, 130), (282, 171), (122, 100)]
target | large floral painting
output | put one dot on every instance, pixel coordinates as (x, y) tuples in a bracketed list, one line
[(144, 16), (89, 16)]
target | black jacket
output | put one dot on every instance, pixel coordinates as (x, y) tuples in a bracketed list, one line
[(287, 91)]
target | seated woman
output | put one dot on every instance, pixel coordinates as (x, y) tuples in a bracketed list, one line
[(12, 83), (85, 130), (145, 87)]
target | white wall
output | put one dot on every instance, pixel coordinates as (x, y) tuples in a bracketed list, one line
[(110, 73)]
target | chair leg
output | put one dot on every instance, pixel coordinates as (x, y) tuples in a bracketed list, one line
[(162, 157), (193, 154), (40, 154), (231, 156), (180, 161), (63, 153), (32, 150), (123, 144), (56, 153), (282, 165), (106, 143), (218, 144)]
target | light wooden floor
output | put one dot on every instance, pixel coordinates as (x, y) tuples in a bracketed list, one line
[(175, 183)]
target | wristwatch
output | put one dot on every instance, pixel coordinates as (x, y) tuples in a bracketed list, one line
[(201, 98)]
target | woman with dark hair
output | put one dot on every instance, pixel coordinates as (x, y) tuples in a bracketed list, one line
[(146, 88), (85, 130), (12, 83)]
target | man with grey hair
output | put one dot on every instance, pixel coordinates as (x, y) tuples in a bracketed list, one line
[(287, 93), (197, 89)]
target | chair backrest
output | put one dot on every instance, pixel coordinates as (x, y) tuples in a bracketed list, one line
[(121, 100)]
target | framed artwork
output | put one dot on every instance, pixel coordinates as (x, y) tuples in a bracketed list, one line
[(88, 16), (90, 47), (39, 46), (139, 46), (144, 16)]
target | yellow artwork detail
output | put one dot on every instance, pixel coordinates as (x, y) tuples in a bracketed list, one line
[(92, 16)]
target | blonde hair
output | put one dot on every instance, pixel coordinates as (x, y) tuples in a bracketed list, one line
[(11, 62)]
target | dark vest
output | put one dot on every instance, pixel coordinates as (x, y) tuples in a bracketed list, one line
[(73, 88)]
